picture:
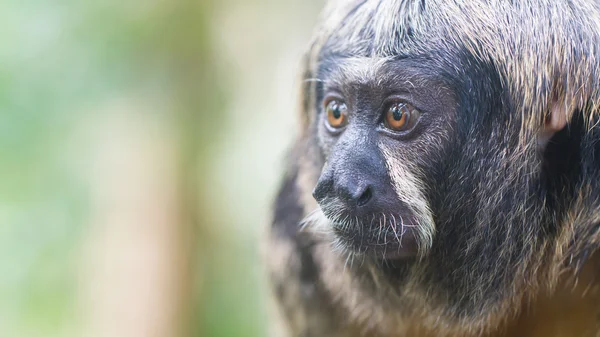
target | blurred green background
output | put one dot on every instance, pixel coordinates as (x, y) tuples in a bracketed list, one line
[(140, 146)]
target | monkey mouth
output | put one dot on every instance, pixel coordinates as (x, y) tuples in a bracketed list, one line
[(387, 242), (380, 236)]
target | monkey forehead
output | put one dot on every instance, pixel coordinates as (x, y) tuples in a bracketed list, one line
[(371, 71), (338, 73), (358, 70)]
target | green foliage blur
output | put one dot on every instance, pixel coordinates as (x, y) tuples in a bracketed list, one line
[(219, 74)]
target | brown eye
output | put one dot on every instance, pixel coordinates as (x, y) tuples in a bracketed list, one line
[(336, 114), (400, 116)]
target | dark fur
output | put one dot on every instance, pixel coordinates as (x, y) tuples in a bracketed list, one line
[(510, 217)]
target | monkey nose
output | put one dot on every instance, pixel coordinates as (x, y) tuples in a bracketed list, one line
[(350, 191)]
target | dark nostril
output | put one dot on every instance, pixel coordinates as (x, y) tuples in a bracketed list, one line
[(320, 191), (364, 197), (316, 194), (359, 197)]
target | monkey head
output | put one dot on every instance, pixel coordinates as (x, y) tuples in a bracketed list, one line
[(445, 177)]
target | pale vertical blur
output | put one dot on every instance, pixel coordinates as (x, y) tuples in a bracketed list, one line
[(135, 248), (140, 146)]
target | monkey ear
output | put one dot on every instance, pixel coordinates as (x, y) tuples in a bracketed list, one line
[(558, 116), (555, 121)]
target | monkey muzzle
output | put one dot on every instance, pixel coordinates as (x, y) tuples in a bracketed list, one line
[(364, 213)]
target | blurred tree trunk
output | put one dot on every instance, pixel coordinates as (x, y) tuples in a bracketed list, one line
[(140, 262), (138, 248)]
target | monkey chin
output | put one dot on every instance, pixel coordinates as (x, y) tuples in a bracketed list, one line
[(386, 243)]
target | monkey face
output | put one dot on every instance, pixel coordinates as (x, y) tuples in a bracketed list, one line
[(424, 178), (377, 120)]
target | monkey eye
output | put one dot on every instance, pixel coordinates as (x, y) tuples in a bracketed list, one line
[(337, 113), (400, 116)]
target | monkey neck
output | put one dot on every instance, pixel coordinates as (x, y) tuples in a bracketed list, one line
[(573, 309)]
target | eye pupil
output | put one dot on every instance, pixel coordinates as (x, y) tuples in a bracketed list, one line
[(397, 113), (336, 111)]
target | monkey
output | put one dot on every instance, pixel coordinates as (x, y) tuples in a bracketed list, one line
[(445, 179)]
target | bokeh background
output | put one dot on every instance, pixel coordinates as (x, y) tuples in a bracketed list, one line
[(141, 143)]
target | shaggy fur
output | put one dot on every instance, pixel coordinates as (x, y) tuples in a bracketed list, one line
[(509, 222)]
